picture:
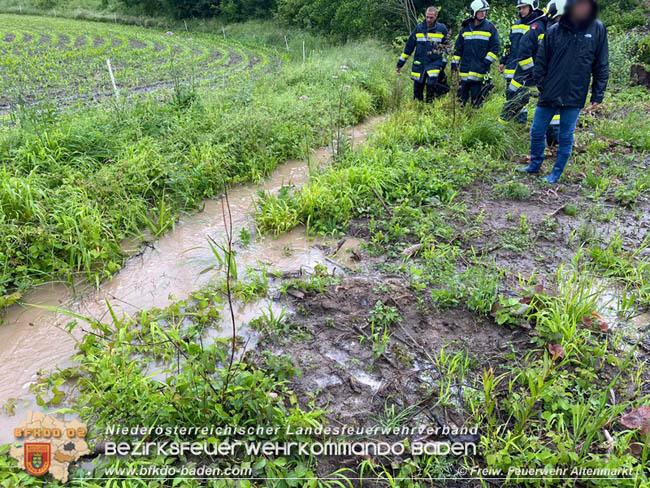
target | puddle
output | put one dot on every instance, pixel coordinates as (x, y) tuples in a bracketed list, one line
[(245, 313), (15, 411), (170, 269), (348, 364), (625, 320)]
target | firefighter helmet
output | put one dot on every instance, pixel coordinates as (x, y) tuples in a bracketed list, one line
[(478, 6), (562, 6), (552, 11), (533, 4)]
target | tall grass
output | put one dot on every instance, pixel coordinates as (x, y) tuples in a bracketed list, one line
[(74, 187), (389, 170)]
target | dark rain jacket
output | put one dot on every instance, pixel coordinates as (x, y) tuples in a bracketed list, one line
[(567, 60), (429, 44), (476, 48), (510, 53), (527, 51)]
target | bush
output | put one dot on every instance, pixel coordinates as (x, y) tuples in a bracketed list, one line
[(624, 14), (623, 53), (644, 50)]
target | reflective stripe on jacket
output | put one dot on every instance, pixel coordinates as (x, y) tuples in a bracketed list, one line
[(567, 60), (517, 32), (428, 44), (525, 59), (476, 48)]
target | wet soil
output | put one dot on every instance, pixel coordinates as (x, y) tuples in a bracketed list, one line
[(554, 235), (169, 269), (341, 370)]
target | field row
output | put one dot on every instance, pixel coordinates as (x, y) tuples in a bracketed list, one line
[(62, 59)]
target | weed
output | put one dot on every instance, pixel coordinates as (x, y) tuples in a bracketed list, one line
[(571, 209), (512, 190), (382, 318)]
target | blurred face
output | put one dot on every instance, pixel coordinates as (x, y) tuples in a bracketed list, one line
[(581, 10), (431, 17), (524, 11), (481, 15)]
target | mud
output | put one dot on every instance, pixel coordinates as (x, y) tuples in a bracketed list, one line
[(34, 338), (80, 42), (136, 44), (554, 236), (343, 376)]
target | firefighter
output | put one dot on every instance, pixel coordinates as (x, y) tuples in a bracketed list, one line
[(476, 48), (573, 54), (428, 40), (517, 30), (522, 56)]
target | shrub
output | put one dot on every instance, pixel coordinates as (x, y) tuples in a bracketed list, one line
[(644, 50), (623, 52)]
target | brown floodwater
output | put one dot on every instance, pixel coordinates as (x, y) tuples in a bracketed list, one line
[(35, 338)]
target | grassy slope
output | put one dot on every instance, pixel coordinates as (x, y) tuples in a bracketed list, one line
[(447, 185), (68, 175)]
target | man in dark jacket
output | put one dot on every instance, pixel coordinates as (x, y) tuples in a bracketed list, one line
[(573, 52), (552, 133), (428, 40), (476, 48), (522, 55)]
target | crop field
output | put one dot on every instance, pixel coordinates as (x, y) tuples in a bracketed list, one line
[(66, 174), (48, 58), (320, 261)]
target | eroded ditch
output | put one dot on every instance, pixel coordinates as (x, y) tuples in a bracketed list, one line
[(34, 336)]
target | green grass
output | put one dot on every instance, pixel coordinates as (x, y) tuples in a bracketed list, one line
[(548, 405), (76, 183)]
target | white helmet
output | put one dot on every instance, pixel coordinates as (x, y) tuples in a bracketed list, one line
[(561, 6), (478, 6), (533, 4), (552, 11)]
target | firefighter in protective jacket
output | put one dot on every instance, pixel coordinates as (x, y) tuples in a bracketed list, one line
[(517, 30), (476, 48), (523, 59), (428, 40)]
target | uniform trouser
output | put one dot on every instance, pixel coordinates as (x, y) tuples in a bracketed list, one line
[(434, 89), (553, 132), (470, 88), (541, 122), (516, 106), (418, 91)]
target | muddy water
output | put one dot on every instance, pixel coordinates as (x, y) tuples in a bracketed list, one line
[(33, 338), (630, 323)]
